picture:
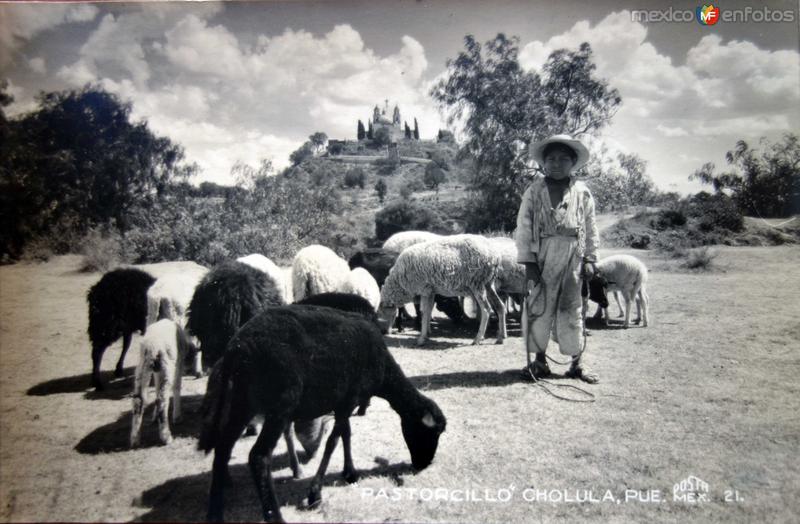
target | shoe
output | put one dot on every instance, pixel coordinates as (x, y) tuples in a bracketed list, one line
[(537, 369), (581, 374)]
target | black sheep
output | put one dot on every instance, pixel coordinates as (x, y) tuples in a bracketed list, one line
[(227, 297), (378, 262), (344, 302), (117, 308), (300, 362)]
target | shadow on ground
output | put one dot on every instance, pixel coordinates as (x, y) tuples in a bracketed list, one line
[(185, 499), (115, 437), (116, 388)]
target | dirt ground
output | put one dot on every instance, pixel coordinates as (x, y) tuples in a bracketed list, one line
[(708, 390)]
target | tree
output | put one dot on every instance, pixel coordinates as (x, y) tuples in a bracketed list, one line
[(434, 176), (766, 184), (318, 140), (302, 153), (499, 105), (619, 182), (370, 134), (355, 177), (78, 161), (381, 189), (446, 137), (406, 215), (361, 134), (382, 137), (416, 130), (407, 131)]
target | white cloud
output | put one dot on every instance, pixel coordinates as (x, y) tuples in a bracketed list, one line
[(226, 99), (37, 65), (724, 91), (23, 21)]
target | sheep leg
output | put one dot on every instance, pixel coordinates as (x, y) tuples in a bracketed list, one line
[(162, 404), (483, 305), (349, 471), (176, 390), (644, 300), (140, 384), (97, 357), (315, 491), (628, 303), (222, 455), (616, 297), (260, 461), (426, 303), (297, 471), (126, 344), (499, 307)]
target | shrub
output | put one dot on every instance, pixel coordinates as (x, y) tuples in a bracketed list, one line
[(101, 250), (714, 211), (668, 219), (406, 215), (387, 166), (355, 177), (699, 258)]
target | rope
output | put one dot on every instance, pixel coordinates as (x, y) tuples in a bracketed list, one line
[(546, 384)]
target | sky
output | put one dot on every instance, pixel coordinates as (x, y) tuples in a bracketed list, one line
[(244, 81)]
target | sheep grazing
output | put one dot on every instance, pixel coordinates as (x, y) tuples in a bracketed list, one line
[(227, 297), (399, 241), (458, 265), (162, 353), (269, 267), (117, 308), (361, 283), (510, 281), (317, 269), (300, 362), (624, 273)]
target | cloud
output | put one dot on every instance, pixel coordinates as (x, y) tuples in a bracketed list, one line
[(227, 98), (37, 65), (22, 22), (671, 131)]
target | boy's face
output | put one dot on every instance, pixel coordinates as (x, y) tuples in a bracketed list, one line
[(558, 164)]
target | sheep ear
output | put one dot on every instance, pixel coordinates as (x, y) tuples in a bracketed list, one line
[(428, 421)]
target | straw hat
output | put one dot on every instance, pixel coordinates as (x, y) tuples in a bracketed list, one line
[(535, 150)]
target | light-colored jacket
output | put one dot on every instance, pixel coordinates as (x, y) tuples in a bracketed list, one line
[(537, 219)]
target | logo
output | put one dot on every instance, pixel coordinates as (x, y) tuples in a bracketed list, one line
[(691, 490), (707, 15)]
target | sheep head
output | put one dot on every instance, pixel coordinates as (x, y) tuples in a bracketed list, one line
[(597, 290), (421, 431)]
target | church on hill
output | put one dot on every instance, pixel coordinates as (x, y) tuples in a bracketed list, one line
[(397, 128)]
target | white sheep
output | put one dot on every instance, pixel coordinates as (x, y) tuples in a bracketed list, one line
[(162, 351), (458, 265), (399, 241), (317, 269), (170, 295), (361, 283), (627, 274), (511, 274), (269, 267)]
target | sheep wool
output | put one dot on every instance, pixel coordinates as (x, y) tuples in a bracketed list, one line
[(361, 283), (399, 241), (317, 269), (271, 269)]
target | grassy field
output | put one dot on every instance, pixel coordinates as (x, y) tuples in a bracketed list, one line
[(710, 389)]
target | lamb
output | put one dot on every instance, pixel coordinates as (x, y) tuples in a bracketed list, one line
[(269, 267), (399, 241), (623, 273), (317, 269), (162, 352), (458, 265), (361, 283), (300, 362), (117, 308)]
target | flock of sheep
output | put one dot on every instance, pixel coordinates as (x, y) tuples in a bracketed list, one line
[(290, 345)]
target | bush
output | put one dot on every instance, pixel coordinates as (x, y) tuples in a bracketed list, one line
[(406, 215), (387, 166), (101, 250), (668, 219), (714, 212), (355, 177), (700, 258), (382, 137)]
